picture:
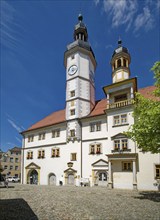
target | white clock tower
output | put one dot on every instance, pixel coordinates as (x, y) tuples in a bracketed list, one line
[(80, 64)]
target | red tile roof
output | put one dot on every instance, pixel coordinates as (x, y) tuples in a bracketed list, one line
[(54, 118), (100, 106), (147, 92)]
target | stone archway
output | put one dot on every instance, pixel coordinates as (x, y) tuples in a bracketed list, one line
[(102, 177), (70, 176), (32, 174), (51, 179)]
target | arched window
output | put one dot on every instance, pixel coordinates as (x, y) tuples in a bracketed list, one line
[(124, 62), (119, 63)]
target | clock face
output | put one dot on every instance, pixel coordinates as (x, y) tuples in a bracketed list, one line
[(72, 70)]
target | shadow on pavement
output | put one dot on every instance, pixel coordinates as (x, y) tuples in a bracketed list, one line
[(1, 186), (16, 209), (153, 196)]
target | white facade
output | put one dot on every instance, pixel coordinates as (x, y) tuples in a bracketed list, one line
[(87, 144)]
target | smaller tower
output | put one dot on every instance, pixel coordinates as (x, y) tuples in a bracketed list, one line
[(120, 63)]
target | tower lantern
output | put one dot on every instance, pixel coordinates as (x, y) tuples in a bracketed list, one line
[(120, 63)]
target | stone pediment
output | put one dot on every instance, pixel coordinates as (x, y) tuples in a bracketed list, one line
[(118, 136), (32, 166), (70, 170), (100, 163)]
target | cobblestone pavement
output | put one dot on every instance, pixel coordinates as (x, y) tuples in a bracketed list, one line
[(25, 202)]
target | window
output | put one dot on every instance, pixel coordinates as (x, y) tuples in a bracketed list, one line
[(119, 63), (5, 167), (126, 166), (120, 119), (11, 159), (124, 144), (124, 62), (121, 144), (72, 93), (157, 167), (117, 144), (41, 154), (116, 120), (55, 152), (98, 151), (16, 160), (72, 112), (92, 127), (98, 126), (120, 97), (92, 150), (29, 155), (72, 133), (95, 126), (95, 149), (30, 138), (123, 119), (73, 156), (56, 133), (11, 167), (72, 103), (41, 136), (16, 167)]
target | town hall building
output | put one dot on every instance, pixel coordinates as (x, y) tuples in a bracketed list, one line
[(85, 144)]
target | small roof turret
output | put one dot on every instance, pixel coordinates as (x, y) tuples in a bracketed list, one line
[(120, 49), (80, 30)]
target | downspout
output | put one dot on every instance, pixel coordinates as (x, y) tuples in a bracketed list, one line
[(22, 162), (81, 150)]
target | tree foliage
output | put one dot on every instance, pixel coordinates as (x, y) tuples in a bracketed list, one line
[(146, 129)]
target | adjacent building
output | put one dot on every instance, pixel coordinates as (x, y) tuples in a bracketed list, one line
[(11, 162), (85, 142)]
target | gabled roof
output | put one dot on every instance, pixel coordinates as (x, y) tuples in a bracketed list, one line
[(100, 106), (117, 136), (16, 149), (54, 118)]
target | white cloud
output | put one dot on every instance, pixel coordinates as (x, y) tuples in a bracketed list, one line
[(13, 124), (96, 2), (131, 13), (19, 140), (144, 20), (122, 11), (158, 4), (10, 28)]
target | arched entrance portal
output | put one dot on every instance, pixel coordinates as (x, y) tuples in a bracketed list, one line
[(33, 177), (70, 179), (102, 178), (33, 174), (70, 176), (51, 179)]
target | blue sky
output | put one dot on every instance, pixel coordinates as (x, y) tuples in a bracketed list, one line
[(34, 36)]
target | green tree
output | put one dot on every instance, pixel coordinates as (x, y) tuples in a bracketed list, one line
[(146, 129)]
